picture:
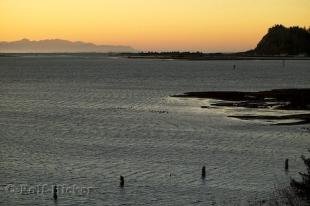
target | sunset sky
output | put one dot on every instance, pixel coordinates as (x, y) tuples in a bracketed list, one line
[(204, 25)]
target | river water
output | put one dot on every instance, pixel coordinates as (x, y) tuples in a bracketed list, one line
[(82, 121)]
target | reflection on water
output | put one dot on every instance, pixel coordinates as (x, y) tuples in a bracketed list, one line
[(86, 121)]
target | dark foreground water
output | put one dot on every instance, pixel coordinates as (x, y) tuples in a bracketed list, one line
[(81, 122)]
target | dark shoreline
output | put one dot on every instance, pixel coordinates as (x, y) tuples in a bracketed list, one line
[(199, 56), (278, 99), (168, 56), (221, 58)]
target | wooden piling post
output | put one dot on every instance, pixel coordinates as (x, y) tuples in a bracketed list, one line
[(203, 172), (55, 192), (122, 181), (286, 165)]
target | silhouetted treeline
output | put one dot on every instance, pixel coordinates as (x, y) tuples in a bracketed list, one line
[(182, 55), (178, 55), (281, 40)]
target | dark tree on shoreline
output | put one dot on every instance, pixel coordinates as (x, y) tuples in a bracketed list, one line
[(302, 188), (281, 40)]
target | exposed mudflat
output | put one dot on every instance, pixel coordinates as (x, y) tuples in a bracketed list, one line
[(277, 99)]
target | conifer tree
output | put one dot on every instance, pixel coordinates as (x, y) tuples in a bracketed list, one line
[(302, 188)]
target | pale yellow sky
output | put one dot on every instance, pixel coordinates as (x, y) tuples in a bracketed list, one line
[(204, 25)]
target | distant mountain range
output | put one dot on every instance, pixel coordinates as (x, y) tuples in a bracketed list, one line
[(59, 46), (281, 40)]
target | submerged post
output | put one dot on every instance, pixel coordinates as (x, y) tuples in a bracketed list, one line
[(121, 181), (55, 192), (286, 164), (203, 172)]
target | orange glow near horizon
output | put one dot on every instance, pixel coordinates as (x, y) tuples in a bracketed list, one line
[(152, 25)]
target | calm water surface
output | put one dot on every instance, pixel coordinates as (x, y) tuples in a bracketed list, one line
[(83, 121)]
